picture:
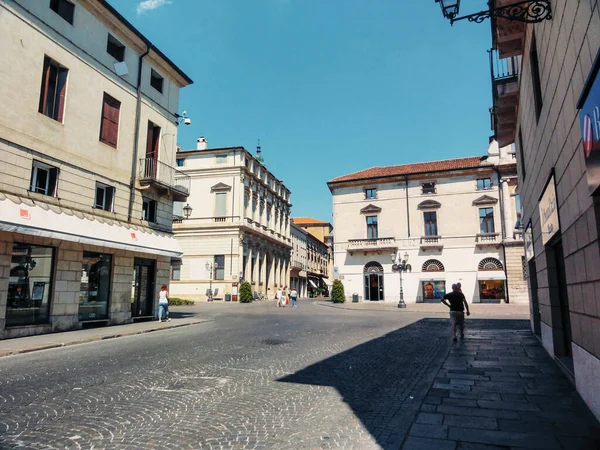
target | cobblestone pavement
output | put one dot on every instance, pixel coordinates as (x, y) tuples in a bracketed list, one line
[(256, 376)]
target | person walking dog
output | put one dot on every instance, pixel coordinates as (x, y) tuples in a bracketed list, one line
[(163, 303), (457, 303)]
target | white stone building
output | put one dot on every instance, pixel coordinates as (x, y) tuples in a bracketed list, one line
[(456, 220), (239, 227), (87, 131)]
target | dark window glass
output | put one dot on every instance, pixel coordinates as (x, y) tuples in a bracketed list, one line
[(44, 179), (149, 210), (486, 220), (94, 294), (219, 267), (484, 184), (521, 155), (104, 197), (64, 9), (430, 223), (535, 78), (29, 285), (53, 91), (372, 231), (371, 193), (180, 162), (115, 48), (109, 124), (156, 81), (428, 188)]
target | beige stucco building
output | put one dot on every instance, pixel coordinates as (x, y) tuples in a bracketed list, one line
[(88, 127), (457, 220), (239, 227), (547, 101), (321, 231), (311, 258)]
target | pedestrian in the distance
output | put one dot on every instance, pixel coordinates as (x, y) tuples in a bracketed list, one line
[(163, 303), (279, 297), (294, 297), (457, 303)]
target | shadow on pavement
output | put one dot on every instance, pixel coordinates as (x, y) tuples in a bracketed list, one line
[(385, 380)]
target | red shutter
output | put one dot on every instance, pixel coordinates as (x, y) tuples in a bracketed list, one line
[(62, 90), (149, 146), (44, 92), (109, 128)]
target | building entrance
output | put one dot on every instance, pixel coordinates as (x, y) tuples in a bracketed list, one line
[(373, 279), (143, 287)]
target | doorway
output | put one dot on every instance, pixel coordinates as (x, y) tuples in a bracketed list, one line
[(533, 292), (142, 301), (561, 279), (373, 279)]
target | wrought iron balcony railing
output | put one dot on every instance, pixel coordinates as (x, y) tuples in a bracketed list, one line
[(152, 171), (504, 68)]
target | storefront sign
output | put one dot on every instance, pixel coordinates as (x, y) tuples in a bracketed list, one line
[(589, 120), (528, 240), (549, 212)]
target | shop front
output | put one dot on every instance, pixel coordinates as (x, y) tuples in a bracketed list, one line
[(432, 289), (492, 286)]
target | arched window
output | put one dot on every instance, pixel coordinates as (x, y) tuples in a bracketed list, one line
[(490, 264), (432, 265), (373, 267)]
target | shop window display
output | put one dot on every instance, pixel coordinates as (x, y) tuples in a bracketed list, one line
[(491, 290), (95, 286), (433, 290), (29, 285)]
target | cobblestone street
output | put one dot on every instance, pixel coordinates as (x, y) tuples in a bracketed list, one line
[(256, 376)]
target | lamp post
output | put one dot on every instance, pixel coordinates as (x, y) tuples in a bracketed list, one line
[(529, 11), (187, 212), (400, 266), (212, 268)]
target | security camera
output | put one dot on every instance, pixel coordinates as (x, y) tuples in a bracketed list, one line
[(187, 121)]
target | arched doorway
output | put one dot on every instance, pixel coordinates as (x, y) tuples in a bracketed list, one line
[(373, 276)]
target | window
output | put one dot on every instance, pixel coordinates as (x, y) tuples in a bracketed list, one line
[(521, 154), (371, 193), (371, 227), (428, 188), (104, 197), (64, 9), (180, 162), (29, 285), (151, 161), (149, 210), (484, 184), (430, 223), (156, 81), (253, 207), (219, 267), (109, 125), (535, 78), (176, 273), (44, 179), (221, 159), (54, 87), (115, 49), (220, 204), (94, 293), (486, 220)]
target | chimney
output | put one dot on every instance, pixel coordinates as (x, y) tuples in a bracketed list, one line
[(201, 143)]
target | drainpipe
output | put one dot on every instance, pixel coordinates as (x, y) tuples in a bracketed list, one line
[(136, 138), (503, 234)]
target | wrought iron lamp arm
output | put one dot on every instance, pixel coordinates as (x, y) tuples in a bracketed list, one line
[(529, 11)]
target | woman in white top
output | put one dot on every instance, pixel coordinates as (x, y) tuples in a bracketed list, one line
[(163, 303)]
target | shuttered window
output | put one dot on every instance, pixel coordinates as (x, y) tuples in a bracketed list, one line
[(54, 89), (220, 204), (109, 126)]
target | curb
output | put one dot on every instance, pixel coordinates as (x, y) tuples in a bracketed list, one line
[(373, 309), (95, 339)]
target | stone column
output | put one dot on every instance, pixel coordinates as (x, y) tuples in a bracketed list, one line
[(248, 267), (263, 271), (256, 277), (508, 207)]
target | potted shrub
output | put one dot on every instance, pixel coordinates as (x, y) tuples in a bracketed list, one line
[(245, 292), (337, 292)]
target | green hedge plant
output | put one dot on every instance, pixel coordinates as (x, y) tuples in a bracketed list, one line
[(337, 292), (245, 292)]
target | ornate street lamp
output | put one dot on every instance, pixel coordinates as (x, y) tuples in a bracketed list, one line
[(187, 212), (530, 11), (401, 266)]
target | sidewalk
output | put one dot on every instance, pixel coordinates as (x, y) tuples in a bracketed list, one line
[(476, 309), (45, 341), (499, 389)]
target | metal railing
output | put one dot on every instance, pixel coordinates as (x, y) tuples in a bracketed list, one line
[(156, 171), (504, 68)]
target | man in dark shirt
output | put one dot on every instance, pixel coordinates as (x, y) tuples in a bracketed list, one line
[(457, 303)]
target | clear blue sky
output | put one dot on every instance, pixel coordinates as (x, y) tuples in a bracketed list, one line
[(329, 86)]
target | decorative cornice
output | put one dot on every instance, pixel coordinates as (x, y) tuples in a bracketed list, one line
[(370, 209), (485, 200), (220, 187), (429, 204)]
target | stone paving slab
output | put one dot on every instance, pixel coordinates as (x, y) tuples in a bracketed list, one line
[(498, 389)]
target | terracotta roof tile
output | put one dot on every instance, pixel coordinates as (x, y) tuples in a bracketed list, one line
[(409, 169), (308, 221)]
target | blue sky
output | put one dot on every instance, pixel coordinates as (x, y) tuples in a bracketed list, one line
[(329, 86)]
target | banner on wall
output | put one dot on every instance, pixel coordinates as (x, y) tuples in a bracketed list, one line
[(589, 120), (528, 241), (549, 212)]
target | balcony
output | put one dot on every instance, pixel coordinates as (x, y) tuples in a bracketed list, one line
[(164, 177), (483, 240), (505, 96), (371, 245), (508, 35), (431, 243)]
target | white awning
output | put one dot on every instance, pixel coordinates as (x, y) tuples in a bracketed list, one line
[(327, 282), (441, 276), (491, 275), (312, 283), (62, 223)]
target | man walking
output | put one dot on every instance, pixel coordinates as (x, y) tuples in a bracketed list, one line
[(457, 303), (293, 296)]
